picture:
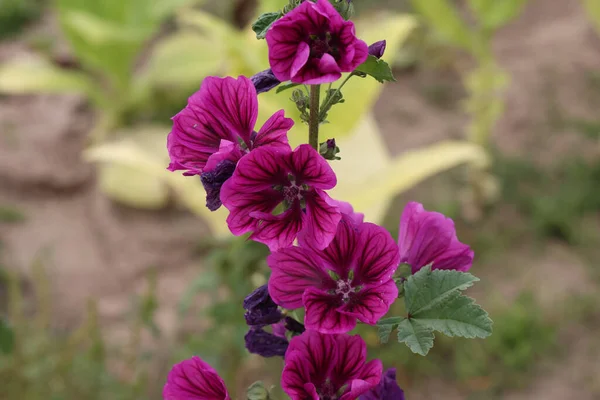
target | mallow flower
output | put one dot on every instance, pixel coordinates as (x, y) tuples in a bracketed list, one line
[(216, 128), (387, 389), (428, 237), (271, 176), (194, 379), (350, 279), (331, 367), (313, 44)]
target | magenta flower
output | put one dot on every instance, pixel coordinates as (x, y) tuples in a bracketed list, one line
[(194, 379), (328, 367), (216, 129), (428, 237), (313, 44), (270, 176), (351, 279)]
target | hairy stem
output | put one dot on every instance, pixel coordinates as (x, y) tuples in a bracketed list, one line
[(313, 120), (337, 91)]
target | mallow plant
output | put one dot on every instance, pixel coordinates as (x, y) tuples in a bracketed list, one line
[(327, 263)]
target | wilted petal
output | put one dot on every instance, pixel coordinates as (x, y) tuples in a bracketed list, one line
[(274, 131), (322, 313), (213, 182), (265, 81), (387, 389), (260, 308), (194, 379), (293, 271), (372, 303), (377, 49), (377, 255)]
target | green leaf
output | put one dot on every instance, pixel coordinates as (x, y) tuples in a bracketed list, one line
[(493, 14), (418, 337), (7, 337), (457, 316), (11, 214), (378, 69), (429, 289), (592, 8), (264, 22), (286, 86), (390, 321), (384, 333)]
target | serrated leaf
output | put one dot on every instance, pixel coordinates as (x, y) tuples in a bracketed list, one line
[(390, 321), (7, 337), (264, 22), (384, 332), (429, 289), (418, 337), (457, 316), (377, 68)]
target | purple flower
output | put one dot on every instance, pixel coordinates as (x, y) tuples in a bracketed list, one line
[(331, 367), (265, 81), (377, 49), (270, 176), (428, 237), (216, 126), (350, 279), (265, 344), (387, 389), (194, 379), (261, 310), (313, 44)]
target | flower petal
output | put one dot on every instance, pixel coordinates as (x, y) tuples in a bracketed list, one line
[(377, 256), (370, 377), (372, 303), (322, 313), (241, 205), (350, 361), (262, 169), (311, 169), (457, 256), (274, 131), (277, 231), (234, 101), (194, 379), (320, 221), (294, 270)]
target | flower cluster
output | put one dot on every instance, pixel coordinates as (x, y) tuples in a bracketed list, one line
[(324, 257)]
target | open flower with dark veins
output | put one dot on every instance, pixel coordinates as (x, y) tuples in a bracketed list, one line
[(328, 367), (216, 128), (428, 237), (194, 379), (350, 279), (313, 44), (296, 180)]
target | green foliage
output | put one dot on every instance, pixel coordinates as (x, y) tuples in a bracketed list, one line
[(494, 14), (378, 69), (264, 22), (16, 14), (434, 302), (7, 337), (592, 8), (11, 214), (257, 391)]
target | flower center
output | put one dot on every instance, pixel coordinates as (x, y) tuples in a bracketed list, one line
[(292, 193), (322, 44), (344, 288)]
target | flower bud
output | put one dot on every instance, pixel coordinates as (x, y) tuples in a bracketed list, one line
[(377, 49), (329, 150), (264, 81), (261, 310)]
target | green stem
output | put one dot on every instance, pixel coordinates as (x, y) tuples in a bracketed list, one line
[(337, 91), (313, 119)]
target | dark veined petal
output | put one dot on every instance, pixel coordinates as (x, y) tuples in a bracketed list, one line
[(277, 231), (194, 379), (320, 221), (294, 270), (322, 313), (371, 303), (377, 255), (310, 168), (274, 131)]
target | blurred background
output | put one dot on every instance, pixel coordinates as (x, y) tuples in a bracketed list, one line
[(111, 268)]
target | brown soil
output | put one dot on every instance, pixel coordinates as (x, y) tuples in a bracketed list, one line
[(98, 249)]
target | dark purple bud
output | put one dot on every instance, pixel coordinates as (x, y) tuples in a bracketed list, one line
[(264, 81), (377, 49), (213, 180), (387, 389), (260, 308), (294, 326), (265, 344)]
